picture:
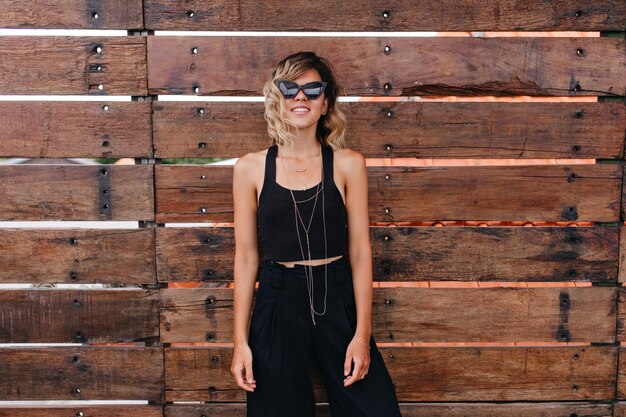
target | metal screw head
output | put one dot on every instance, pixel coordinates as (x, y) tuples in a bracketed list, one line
[(95, 15), (387, 176), (190, 13), (200, 110), (389, 113), (580, 52), (202, 145), (98, 49), (386, 237), (203, 177), (577, 87), (386, 14), (387, 49), (105, 107), (80, 414), (388, 147), (578, 13), (100, 87), (387, 210), (202, 209), (194, 50), (196, 89), (387, 86)]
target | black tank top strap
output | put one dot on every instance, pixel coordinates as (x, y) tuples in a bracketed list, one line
[(327, 157)]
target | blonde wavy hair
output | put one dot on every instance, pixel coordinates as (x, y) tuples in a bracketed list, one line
[(331, 127)]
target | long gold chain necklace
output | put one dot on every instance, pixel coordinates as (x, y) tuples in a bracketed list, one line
[(298, 216)]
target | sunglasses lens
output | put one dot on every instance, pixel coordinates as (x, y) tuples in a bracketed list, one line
[(288, 88), (313, 90)]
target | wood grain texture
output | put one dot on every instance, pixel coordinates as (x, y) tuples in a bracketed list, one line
[(71, 65), (426, 314), (112, 410), (77, 256), (413, 67), (79, 316), (407, 129), (52, 129), (544, 409), (81, 373), (405, 15), (397, 194), (422, 253), (429, 374), (70, 192), (72, 14)]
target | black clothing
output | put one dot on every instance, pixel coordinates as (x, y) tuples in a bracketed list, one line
[(276, 217)]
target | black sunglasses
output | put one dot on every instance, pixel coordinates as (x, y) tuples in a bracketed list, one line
[(312, 90)]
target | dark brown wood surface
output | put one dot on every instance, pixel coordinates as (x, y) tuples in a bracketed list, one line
[(429, 374), (81, 373), (106, 410), (77, 256), (456, 409), (71, 14), (72, 65), (407, 129), (71, 192), (79, 316), (423, 253), (368, 15), (413, 66), (53, 129), (619, 409), (426, 314), (397, 194)]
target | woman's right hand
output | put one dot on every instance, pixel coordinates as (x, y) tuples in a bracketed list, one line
[(241, 367)]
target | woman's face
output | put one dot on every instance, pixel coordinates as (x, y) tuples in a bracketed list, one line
[(302, 111)]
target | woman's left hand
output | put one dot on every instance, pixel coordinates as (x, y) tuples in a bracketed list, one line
[(359, 352)]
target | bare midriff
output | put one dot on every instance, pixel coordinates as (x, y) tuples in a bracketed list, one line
[(312, 262)]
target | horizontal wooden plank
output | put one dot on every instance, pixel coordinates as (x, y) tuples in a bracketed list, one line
[(71, 192), (71, 14), (619, 409), (368, 15), (73, 65), (456, 409), (77, 256), (429, 374), (447, 65), (81, 373), (79, 316), (407, 129), (53, 129), (423, 253), (427, 314), (106, 410), (397, 194)]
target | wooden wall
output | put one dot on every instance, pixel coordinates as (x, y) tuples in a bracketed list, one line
[(538, 333)]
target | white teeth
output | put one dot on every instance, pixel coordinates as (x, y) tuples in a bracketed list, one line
[(300, 110)]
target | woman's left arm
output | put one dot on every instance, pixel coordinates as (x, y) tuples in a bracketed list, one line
[(360, 253)]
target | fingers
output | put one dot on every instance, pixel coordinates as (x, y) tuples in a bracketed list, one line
[(361, 368), (244, 380)]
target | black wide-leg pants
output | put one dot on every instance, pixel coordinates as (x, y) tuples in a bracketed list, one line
[(284, 343)]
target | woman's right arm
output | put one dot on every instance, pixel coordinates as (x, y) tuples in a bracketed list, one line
[(245, 267)]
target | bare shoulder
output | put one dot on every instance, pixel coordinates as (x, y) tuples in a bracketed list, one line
[(349, 160), (251, 163)]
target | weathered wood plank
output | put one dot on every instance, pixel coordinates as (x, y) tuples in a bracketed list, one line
[(447, 65), (427, 314), (77, 256), (113, 410), (52, 129), (621, 374), (368, 15), (407, 129), (429, 374), (81, 373), (71, 14), (424, 253), (619, 409), (71, 192), (545, 409), (396, 194), (79, 316), (73, 65)]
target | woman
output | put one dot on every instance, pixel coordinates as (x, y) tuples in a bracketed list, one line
[(305, 197)]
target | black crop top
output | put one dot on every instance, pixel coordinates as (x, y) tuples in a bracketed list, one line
[(276, 217)]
